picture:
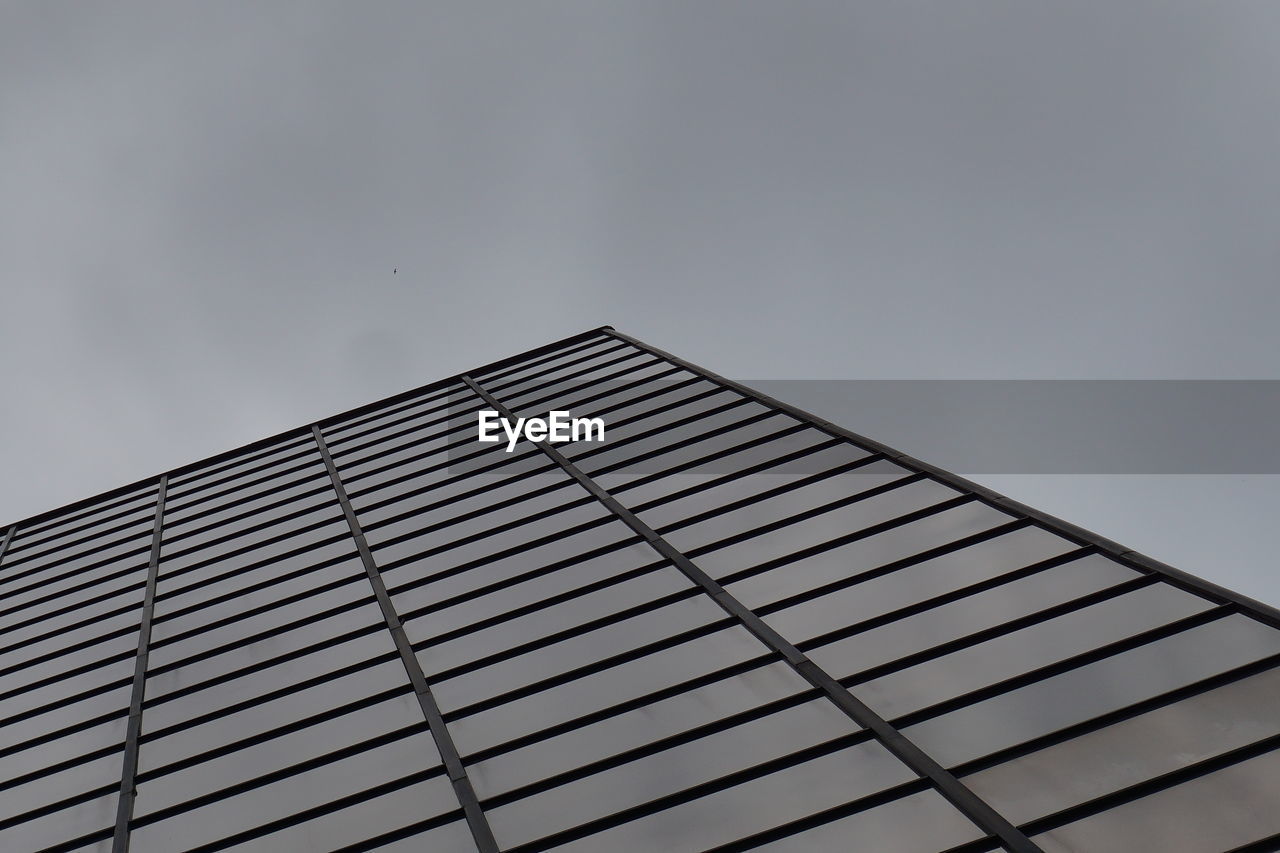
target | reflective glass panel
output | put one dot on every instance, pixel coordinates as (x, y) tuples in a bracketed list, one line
[(918, 823), (604, 689), (947, 622), (62, 825), (612, 735), (176, 707), (1094, 689), (531, 627), (1133, 750), (674, 769), (755, 806), (311, 789), (1003, 657), (569, 654), (912, 583), (160, 747), (470, 597), (721, 560), (1220, 811), (282, 752)]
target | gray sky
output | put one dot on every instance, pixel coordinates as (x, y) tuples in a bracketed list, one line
[(201, 206)]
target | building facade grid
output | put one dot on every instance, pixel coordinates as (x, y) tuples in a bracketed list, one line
[(731, 626)]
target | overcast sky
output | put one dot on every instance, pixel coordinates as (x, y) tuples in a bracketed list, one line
[(201, 206)]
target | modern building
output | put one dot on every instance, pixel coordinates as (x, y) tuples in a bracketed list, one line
[(727, 626)]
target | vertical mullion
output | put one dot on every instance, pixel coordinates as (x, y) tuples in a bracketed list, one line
[(462, 786), (129, 770), (964, 799), (8, 537)]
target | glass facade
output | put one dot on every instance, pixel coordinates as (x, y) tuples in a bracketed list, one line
[(728, 626)]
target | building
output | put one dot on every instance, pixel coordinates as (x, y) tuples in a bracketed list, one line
[(728, 626)]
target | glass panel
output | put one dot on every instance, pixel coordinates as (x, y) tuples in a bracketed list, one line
[(716, 433), (16, 732), (60, 691), (431, 443), (1220, 811), (767, 510), (589, 395), (653, 431), (569, 654), (459, 495), (1133, 750), (824, 527), (235, 541), (354, 428), (513, 392), (228, 661), (66, 748), (174, 618), (430, 419), (756, 441), (617, 397), (549, 360), (439, 475), (655, 382), (234, 574), (1094, 689), (616, 734), (256, 719), (555, 364), (176, 708), (1006, 656), (39, 640), (244, 510), (682, 507), (101, 846), (37, 621), (286, 475), (42, 564), (99, 599), (86, 776), (675, 769), (754, 806), (242, 550), (541, 623), (538, 495), (81, 578), (919, 823), (501, 596), (451, 838), (288, 750), (603, 689), (466, 456), (912, 583), (63, 825), (355, 823), (485, 564), (306, 790), (940, 624), (83, 523), (494, 542), (164, 653), (288, 451)]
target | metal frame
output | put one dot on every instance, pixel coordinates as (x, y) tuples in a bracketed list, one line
[(466, 794), (969, 803), (128, 787), (374, 437), (1258, 610)]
